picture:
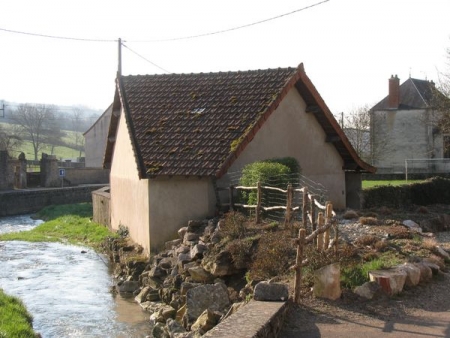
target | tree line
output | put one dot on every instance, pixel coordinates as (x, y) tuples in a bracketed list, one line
[(41, 125)]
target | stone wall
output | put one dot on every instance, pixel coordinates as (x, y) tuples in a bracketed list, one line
[(77, 176), (29, 201), (4, 184), (13, 172)]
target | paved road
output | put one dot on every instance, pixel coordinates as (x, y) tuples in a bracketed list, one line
[(420, 312)]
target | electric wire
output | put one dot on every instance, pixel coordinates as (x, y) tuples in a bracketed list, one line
[(169, 39), (56, 36), (154, 64), (234, 28)]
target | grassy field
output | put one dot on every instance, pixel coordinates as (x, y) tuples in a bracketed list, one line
[(59, 151), (371, 184)]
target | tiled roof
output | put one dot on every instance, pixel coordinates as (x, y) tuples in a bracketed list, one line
[(414, 94), (197, 124)]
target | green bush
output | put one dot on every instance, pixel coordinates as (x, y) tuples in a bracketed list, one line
[(274, 172)]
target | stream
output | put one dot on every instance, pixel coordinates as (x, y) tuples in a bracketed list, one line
[(66, 291)]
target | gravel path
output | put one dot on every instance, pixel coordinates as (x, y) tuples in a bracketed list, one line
[(422, 311)]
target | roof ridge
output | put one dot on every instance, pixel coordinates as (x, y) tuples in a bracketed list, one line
[(418, 91)]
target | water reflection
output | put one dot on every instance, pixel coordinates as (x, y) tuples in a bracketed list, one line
[(67, 291)]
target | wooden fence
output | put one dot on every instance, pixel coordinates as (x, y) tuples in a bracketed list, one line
[(319, 228)]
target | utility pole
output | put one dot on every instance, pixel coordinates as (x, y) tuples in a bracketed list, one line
[(119, 68)]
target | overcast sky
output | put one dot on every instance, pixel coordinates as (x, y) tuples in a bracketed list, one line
[(349, 48)]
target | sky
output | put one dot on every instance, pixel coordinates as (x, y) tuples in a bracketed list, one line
[(349, 48)]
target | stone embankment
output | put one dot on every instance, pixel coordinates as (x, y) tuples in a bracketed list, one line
[(191, 289), (188, 292)]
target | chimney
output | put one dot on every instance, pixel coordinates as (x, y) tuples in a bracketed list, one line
[(394, 92)]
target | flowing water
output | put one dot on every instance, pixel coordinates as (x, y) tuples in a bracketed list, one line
[(66, 291)]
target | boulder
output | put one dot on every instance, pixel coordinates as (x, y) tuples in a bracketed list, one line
[(206, 321), (391, 280), (171, 244), (185, 287), (190, 237), (174, 327), (183, 258), (441, 252), (265, 291), (425, 272), (193, 225), (142, 296), (221, 266), (157, 272), (160, 331), (412, 274), (411, 225), (210, 296), (434, 267), (197, 251), (182, 231), (327, 282), (369, 290), (198, 274), (166, 263), (129, 286)]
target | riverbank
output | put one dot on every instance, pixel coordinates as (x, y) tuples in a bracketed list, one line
[(65, 223), (15, 319)]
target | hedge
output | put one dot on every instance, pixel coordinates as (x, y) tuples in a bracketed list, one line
[(433, 191)]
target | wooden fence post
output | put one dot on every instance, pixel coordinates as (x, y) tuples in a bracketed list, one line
[(328, 216), (258, 204), (305, 208), (231, 193), (288, 217), (312, 211), (320, 223), (298, 265)]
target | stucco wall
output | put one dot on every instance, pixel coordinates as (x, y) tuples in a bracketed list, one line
[(129, 194), (95, 140), (402, 134), (290, 131), (175, 201)]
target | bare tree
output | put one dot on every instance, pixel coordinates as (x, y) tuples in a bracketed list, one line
[(76, 127), (37, 123), (441, 99), (357, 129), (9, 140)]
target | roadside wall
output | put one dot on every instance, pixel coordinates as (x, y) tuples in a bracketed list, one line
[(29, 201), (76, 176)]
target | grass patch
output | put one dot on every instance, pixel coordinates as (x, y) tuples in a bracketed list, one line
[(15, 321), (65, 223), (395, 183)]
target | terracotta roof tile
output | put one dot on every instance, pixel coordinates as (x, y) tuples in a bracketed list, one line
[(185, 124)]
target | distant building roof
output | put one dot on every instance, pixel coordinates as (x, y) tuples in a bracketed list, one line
[(414, 94), (198, 124)]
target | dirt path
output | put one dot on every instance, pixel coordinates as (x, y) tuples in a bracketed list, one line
[(423, 311)]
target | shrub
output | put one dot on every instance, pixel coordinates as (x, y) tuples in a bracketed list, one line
[(272, 255), (241, 253), (275, 172), (368, 220), (350, 214), (234, 225), (367, 240)]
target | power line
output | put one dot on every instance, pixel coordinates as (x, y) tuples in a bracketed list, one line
[(154, 64), (56, 36), (234, 28), (170, 39)]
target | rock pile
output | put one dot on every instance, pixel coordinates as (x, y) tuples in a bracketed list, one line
[(183, 287)]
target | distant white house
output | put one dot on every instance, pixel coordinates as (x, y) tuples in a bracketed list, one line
[(403, 127)]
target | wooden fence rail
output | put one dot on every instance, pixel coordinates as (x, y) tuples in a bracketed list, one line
[(320, 227)]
